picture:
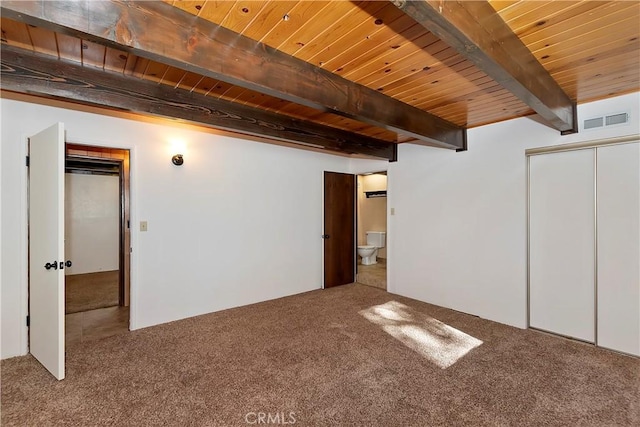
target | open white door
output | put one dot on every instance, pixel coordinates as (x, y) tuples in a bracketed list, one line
[(46, 248)]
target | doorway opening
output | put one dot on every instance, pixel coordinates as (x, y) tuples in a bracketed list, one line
[(97, 240), (371, 211)]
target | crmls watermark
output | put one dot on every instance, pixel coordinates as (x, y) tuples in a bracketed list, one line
[(280, 418)]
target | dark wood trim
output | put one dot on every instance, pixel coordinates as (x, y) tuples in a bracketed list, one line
[(394, 156), (91, 166), (163, 33), (574, 129), (32, 73), (479, 34)]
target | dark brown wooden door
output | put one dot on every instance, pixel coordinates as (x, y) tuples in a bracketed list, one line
[(339, 229)]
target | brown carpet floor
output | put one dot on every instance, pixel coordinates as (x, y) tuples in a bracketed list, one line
[(352, 355), (89, 291)]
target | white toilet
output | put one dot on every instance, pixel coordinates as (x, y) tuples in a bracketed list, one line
[(375, 241)]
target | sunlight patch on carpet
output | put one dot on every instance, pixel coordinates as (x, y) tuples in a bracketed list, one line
[(437, 342)]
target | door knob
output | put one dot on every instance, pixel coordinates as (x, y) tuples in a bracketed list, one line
[(325, 236), (51, 265), (64, 264)]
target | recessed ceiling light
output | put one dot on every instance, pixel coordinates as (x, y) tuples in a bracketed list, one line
[(286, 17)]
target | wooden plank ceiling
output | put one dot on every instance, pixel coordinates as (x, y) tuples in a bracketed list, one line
[(590, 48)]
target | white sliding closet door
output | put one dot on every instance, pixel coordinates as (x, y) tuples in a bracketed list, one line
[(562, 243), (618, 216)]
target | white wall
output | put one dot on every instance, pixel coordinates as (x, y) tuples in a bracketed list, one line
[(237, 224), (92, 222), (458, 236)]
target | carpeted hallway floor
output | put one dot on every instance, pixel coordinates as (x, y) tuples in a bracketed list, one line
[(352, 355)]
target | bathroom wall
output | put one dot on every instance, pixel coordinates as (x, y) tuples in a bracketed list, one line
[(372, 213)]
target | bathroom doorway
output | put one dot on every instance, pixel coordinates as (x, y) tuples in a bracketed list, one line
[(371, 208)]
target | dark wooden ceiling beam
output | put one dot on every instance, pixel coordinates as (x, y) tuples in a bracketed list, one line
[(163, 33), (479, 34), (27, 72)]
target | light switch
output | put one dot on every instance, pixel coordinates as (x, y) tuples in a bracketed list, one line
[(143, 225), (393, 211)]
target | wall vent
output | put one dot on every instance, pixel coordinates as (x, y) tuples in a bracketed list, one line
[(593, 123), (616, 119), (604, 121)]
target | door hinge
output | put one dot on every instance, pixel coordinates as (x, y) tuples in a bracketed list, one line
[(28, 321), (27, 161)]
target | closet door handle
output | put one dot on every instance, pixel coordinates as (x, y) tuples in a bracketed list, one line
[(51, 265)]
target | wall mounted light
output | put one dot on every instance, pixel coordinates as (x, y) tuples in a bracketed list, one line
[(177, 148), (177, 160)]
